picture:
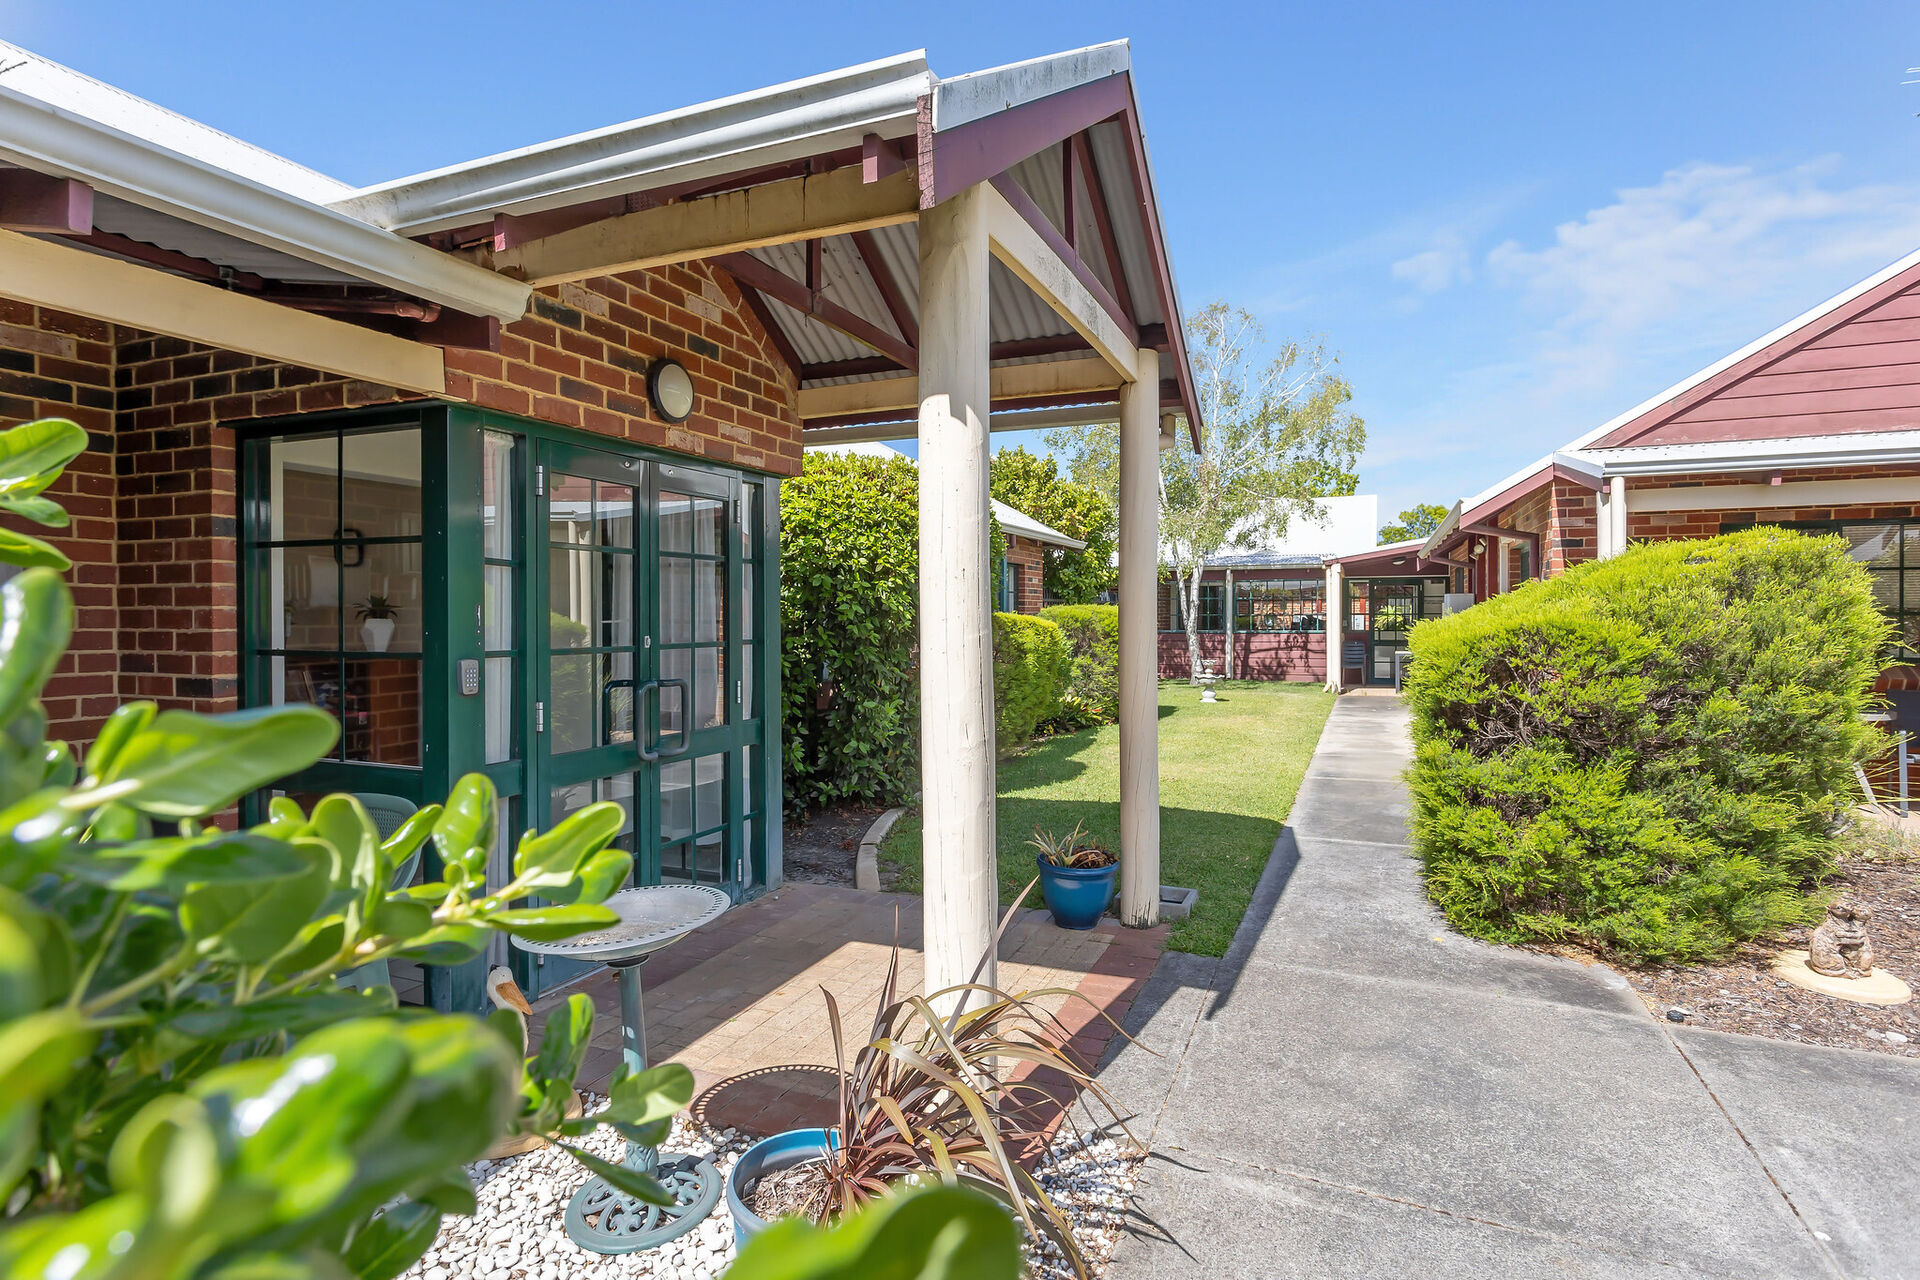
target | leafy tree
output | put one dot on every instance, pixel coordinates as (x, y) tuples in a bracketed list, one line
[(1279, 433), (1414, 522), (1032, 483)]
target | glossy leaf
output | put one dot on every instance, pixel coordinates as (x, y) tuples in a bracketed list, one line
[(548, 859), (598, 878), (252, 922), (36, 619), (552, 923), (40, 510), (38, 1052), (27, 550), (451, 1192), (21, 990), (294, 1015), (463, 833), (447, 944), (634, 1183), (658, 1093), (33, 454), (176, 863), (393, 1241), (88, 1245), (943, 1233), (564, 1040), (184, 764)]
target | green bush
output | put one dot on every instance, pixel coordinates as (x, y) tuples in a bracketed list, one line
[(1092, 634), (1648, 754), (849, 572), (1029, 675)]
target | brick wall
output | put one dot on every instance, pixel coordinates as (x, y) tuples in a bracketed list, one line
[(154, 538), (58, 365), (1025, 565)]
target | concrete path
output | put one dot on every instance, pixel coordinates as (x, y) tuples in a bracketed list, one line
[(1357, 1091)]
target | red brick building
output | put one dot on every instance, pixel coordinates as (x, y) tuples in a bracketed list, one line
[(1815, 426), (486, 460)]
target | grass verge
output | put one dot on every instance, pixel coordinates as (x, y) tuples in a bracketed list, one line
[(1228, 774)]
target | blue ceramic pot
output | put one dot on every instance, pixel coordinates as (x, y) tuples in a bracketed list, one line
[(1077, 896), (769, 1155)]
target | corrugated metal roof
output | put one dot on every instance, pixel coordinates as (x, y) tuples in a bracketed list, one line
[(124, 218)]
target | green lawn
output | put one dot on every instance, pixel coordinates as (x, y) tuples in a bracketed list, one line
[(1228, 773)]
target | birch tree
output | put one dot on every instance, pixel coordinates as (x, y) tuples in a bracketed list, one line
[(1278, 433)]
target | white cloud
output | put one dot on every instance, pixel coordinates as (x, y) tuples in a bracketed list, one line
[(1446, 264), (1709, 255)]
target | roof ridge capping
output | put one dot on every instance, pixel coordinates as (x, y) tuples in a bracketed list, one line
[(978, 94), (787, 121), (59, 86)]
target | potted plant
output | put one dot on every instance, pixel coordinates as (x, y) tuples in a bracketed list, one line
[(377, 615), (1076, 877), (930, 1099)]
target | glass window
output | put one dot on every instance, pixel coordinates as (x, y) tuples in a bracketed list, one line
[(1280, 604), (337, 559)]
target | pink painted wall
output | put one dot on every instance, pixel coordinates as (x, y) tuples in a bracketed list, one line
[(1261, 655)]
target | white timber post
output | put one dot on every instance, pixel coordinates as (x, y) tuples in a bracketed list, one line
[(1139, 656), (1336, 628), (1618, 540), (1506, 565), (956, 622), (1602, 523)]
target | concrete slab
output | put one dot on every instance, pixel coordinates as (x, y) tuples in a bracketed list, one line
[(1290, 1228), (1839, 1130), (1560, 1120), (1352, 809)]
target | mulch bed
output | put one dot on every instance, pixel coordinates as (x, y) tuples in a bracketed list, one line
[(1743, 995), (822, 849)]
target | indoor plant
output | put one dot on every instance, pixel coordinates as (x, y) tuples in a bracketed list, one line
[(1076, 877), (377, 615), (931, 1097)]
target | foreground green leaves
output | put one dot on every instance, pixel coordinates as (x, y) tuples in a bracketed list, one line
[(944, 1233)]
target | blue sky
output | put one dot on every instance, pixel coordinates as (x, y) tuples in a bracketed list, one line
[(1512, 220)]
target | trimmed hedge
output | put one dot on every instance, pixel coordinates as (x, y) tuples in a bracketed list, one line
[(1648, 754), (1029, 675), (849, 573), (1092, 634)]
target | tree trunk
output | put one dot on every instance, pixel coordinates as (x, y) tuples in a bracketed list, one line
[(1193, 623)]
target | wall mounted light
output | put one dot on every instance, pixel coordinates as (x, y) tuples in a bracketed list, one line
[(670, 387)]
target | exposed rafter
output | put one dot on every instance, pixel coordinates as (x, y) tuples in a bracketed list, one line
[(1092, 377), (1102, 220), (757, 303), (1020, 236), (40, 202), (823, 204), (890, 291), (779, 286)]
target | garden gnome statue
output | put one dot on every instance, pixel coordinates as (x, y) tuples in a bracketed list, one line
[(1840, 948)]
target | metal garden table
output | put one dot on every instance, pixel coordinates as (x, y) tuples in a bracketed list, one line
[(599, 1217)]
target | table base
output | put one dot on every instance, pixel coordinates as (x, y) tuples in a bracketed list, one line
[(609, 1221)]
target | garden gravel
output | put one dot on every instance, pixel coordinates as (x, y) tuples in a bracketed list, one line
[(518, 1232)]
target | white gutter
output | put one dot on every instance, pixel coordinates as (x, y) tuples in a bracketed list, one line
[(1445, 528), (790, 121), (1754, 455), (40, 136)]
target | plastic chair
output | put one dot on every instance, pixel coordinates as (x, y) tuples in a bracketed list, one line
[(388, 814)]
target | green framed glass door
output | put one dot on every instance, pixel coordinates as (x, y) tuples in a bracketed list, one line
[(1392, 608)]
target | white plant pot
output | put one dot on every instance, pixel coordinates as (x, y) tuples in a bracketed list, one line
[(377, 633)]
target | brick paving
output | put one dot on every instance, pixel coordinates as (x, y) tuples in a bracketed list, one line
[(739, 1001)]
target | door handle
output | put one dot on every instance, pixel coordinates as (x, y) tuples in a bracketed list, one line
[(606, 707), (641, 735)]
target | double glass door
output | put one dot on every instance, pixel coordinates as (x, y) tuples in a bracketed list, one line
[(636, 696)]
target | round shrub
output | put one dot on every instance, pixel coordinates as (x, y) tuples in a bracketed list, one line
[(1092, 634), (849, 569), (1647, 754), (1029, 675)]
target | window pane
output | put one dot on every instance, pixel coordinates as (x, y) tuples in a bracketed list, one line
[(676, 800), (709, 591), (499, 710), (613, 505), (675, 516), (382, 720), (747, 708), (571, 583), (383, 579), (572, 692), (676, 680), (710, 792), (380, 484), (305, 581), (676, 601), (709, 695), (496, 590), (749, 602), (303, 495), (750, 529), (497, 493), (1874, 544), (709, 526), (616, 698)]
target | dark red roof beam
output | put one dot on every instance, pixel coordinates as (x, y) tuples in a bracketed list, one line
[(755, 274), (1162, 269), (951, 160), (1151, 335), (757, 304), (1014, 194), (44, 204), (1102, 220), (890, 292)]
